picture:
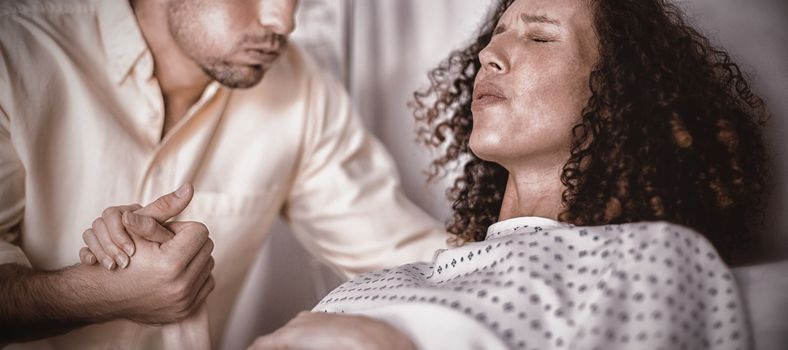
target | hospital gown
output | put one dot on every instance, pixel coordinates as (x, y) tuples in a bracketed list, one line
[(535, 283)]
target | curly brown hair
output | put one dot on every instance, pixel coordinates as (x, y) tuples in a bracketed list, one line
[(672, 131)]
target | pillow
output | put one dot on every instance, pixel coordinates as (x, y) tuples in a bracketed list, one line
[(765, 292)]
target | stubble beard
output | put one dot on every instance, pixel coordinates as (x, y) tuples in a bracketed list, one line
[(187, 35), (232, 76)]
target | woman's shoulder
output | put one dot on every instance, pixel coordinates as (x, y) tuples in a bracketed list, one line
[(641, 243), (646, 232), (668, 247), (664, 230), (666, 234)]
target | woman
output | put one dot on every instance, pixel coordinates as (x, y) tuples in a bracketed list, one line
[(612, 166)]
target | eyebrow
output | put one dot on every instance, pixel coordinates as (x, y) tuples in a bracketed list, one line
[(529, 18)]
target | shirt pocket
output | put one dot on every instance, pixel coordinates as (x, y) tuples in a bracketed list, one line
[(221, 204), (226, 212)]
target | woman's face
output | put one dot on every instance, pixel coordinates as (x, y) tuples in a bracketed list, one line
[(533, 83)]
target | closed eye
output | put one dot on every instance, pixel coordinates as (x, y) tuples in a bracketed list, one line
[(541, 39)]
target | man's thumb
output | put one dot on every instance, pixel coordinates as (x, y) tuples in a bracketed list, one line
[(168, 205)]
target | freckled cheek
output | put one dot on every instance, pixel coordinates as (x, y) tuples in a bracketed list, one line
[(538, 96), (545, 113), (559, 92)]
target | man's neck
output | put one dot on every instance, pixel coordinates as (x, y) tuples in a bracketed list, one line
[(180, 79)]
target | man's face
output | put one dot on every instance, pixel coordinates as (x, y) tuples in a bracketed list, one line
[(233, 41)]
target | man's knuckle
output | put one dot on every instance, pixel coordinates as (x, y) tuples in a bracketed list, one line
[(184, 226), (211, 283), (111, 249), (109, 212), (177, 312), (180, 315), (187, 310), (171, 273), (183, 292), (175, 292), (201, 227), (163, 203), (171, 276), (169, 317), (203, 233), (97, 222), (147, 223), (122, 237), (194, 228)]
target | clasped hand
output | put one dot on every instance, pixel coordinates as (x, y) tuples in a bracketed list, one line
[(169, 276)]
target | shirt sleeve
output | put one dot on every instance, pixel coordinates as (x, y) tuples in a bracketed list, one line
[(346, 205), (670, 290), (12, 197)]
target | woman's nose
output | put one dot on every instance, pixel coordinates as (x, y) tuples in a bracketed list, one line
[(278, 15), (493, 60)]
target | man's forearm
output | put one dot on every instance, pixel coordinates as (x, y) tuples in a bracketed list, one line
[(37, 304)]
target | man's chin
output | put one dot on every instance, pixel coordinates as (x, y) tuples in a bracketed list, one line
[(239, 77)]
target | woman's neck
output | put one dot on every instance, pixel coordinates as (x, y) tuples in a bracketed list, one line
[(533, 193)]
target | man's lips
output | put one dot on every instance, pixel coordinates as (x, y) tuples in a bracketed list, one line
[(261, 56), (487, 94)]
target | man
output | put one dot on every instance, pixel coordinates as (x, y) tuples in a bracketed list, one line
[(106, 102)]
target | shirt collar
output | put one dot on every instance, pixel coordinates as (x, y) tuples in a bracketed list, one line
[(121, 36), (524, 221)]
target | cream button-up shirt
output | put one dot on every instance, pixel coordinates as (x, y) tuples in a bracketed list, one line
[(81, 119)]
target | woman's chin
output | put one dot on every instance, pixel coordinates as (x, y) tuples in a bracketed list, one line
[(488, 148)]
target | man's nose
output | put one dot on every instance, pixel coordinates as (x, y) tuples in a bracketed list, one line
[(278, 16)]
